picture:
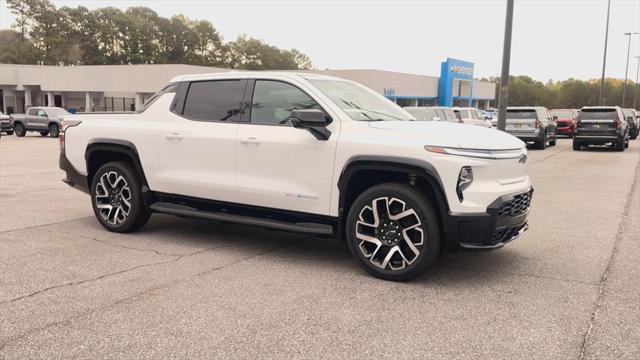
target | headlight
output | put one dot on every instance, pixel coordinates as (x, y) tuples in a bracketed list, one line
[(483, 154), (465, 178)]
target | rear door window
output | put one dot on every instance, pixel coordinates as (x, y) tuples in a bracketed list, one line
[(32, 112), (219, 100)]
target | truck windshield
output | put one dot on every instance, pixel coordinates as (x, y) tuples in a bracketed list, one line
[(360, 103), (598, 114)]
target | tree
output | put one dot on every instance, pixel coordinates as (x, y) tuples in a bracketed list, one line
[(13, 50)]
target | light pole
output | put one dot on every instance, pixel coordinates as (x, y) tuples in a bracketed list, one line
[(635, 91), (503, 96), (626, 69), (604, 60)]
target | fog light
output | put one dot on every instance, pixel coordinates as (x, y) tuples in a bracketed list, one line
[(465, 178)]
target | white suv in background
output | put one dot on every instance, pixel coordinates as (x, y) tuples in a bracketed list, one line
[(471, 116), (305, 153), (432, 113)]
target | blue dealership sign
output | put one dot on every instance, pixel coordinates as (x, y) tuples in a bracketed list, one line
[(449, 70)]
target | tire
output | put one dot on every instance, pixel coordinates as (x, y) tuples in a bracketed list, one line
[(19, 129), (9, 133), (541, 144), (113, 186), (576, 145), (44, 133), (54, 130), (619, 145), (553, 142), (388, 250)]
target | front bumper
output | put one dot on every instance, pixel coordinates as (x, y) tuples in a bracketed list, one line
[(74, 178), (4, 127), (505, 220)]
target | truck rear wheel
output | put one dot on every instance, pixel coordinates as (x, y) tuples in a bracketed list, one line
[(19, 129), (116, 196), (393, 231), (54, 130)]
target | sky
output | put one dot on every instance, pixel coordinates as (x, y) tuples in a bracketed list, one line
[(552, 39)]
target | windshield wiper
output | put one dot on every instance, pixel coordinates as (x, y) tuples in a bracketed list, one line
[(362, 110)]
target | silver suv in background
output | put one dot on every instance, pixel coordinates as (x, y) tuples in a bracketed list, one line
[(532, 124), (471, 116), (45, 120), (432, 113)]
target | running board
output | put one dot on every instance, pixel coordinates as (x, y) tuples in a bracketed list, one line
[(182, 210)]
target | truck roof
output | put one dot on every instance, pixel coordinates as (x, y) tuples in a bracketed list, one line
[(251, 74)]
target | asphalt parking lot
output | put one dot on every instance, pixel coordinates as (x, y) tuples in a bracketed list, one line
[(569, 288)]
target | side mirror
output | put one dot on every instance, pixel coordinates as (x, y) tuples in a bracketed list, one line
[(314, 120)]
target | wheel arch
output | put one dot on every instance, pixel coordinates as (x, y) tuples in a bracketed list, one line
[(362, 172), (102, 151)]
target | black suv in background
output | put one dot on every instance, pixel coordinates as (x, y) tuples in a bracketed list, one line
[(632, 118), (599, 125)]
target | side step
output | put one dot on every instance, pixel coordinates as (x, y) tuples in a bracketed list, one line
[(182, 210)]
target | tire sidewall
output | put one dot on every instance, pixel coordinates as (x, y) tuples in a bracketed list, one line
[(430, 249), (54, 130), (20, 130), (137, 206)]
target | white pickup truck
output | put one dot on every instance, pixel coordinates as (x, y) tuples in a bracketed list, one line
[(43, 119), (305, 153)]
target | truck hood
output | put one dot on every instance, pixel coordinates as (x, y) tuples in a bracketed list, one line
[(451, 135)]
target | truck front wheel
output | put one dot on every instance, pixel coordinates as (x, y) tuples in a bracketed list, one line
[(116, 196), (393, 231)]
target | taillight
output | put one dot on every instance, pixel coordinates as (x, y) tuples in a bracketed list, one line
[(63, 127), (617, 123)]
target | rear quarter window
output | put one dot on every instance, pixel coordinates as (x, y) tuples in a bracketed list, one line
[(598, 114), (521, 114)]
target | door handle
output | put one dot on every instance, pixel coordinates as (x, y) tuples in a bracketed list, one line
[(173, 136), (250, 140)]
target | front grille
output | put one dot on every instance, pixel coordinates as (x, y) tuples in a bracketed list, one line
[(507, 233), (516, 206)]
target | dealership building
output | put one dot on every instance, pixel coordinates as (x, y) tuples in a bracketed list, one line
[(123, 87)]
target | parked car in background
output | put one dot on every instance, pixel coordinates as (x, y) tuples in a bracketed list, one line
[(305, 153), (432, 113), (487, 115), (5, 124), (471, 116), (531, 124), (45, 120), (631, 115), (599, 125), (565, 121)]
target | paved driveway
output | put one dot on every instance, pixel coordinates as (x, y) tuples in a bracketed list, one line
[(568, 289)]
